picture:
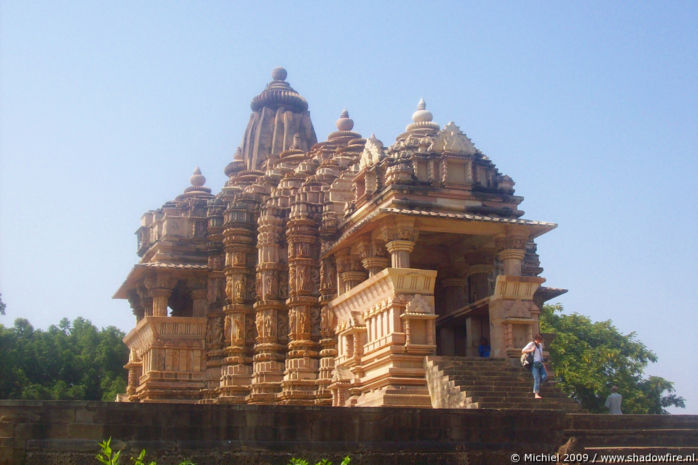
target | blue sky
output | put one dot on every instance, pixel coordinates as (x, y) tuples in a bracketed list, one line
[(106, 108)]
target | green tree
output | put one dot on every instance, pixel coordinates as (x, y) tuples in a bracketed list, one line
[(67, 361), (2, 305), (590, 357)]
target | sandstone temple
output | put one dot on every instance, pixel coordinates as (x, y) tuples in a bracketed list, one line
[(334, 272)]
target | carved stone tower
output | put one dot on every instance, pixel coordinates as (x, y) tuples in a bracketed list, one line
[(324, 273)]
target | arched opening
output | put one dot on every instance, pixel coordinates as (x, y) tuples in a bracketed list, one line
[(180, 302)]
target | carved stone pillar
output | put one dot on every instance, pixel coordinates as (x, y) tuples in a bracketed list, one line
[(478, 281), (136, 305), (236, 370), (160, 289), (454, 294), (200, 302), (400, 253), (343, 261), (216, 299), (146, 300), (270, 321), (134, 367), (300, 378), (512, 250), (328, 340), (400, 240), (372, 256)]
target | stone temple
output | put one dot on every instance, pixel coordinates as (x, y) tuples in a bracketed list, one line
[(331, 273)]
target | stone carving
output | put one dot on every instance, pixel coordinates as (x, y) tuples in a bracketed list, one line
[(333, 247), (237, 331), (451, 140), (372, 154), (419, 304)]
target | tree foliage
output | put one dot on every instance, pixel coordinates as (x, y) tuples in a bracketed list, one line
[(67, 361), (590, 357)]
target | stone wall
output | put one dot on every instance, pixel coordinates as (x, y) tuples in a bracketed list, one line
[(52, 433), (66, 433)]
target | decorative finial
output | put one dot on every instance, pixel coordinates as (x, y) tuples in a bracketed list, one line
[(197, 179), (344, 123), (238, 155), (422, 114), (279, 74)]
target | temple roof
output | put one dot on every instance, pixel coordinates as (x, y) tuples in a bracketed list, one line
[(279, 93), (140, 268), (279, 120)]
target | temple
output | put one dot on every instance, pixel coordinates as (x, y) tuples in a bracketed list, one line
[(328, 273)]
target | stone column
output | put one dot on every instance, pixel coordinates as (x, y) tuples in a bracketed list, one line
[(328, 291), (372, 256), (239, 243), (145, 299), (160, 289), (200, 302), (400, 240), (271, 322), (478, 279), (216, 299), (300, 378), (134, 367), (512, 250), (454, 294), (136, 305)]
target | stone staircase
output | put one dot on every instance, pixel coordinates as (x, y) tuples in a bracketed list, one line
[(632, 438), (473, 382)]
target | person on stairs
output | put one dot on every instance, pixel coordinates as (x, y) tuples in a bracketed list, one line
[(538, 370), (613, 402)]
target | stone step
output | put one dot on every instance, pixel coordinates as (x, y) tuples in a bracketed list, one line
[(616, 422), (510, 396), (650, 454), (496, 384), (491, 380), (528, 389), (528, 405), (640, 437)]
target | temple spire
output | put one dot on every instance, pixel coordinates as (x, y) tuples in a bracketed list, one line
[(278, 114)]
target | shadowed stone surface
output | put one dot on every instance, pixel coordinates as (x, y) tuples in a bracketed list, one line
[(52, 433)]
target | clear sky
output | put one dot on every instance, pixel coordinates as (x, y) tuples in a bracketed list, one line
[(591, 107)]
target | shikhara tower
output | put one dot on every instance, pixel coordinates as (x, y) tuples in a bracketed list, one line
[(324, 273)]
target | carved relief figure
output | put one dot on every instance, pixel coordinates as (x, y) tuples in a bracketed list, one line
[(227, 330), (237, 323), (268, 330), (302, 322), (268, 292), (283, 286), (239, 286), (259, 321), (292, 323)]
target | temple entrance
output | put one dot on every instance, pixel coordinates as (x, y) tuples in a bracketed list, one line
[(464, 283)]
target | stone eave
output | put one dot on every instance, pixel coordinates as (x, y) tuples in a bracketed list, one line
[(547, 293), (140, 269), (450, 222)]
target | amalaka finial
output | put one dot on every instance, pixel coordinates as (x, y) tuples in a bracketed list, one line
[(422, 114), (344, 123), (197, 179), (279, 74), (238, 155)]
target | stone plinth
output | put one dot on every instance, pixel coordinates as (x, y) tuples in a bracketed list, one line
[(385, 327), (173, 359), (513, 314)]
